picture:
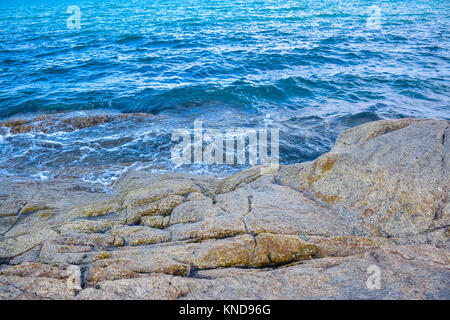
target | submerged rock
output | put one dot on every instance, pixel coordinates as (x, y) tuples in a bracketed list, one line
[(63, 122), (378, 201)]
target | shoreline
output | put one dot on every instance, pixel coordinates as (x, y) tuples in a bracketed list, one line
[(379, 198)]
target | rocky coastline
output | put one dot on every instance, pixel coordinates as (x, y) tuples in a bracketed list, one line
[(379, 199)]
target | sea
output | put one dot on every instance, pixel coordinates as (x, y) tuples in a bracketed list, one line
[(307, 68)]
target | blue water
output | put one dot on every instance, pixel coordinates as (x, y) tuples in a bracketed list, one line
[(309, 68)]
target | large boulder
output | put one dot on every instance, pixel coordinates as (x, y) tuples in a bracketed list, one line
[(392, 178)]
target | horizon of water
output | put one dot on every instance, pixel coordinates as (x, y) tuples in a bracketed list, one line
[(308, 68)]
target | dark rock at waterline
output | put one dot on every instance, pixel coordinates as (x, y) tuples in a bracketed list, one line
[(62, 122)]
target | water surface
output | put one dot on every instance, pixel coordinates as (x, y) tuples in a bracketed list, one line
[(309, 68)]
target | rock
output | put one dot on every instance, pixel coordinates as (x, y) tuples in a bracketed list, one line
[(131, 262), (216, 224), (32, 280), (182, 258), (14, 195), (156, 287), (280, 248), (97, 208), (379, 201), (344, 246), (341, 278), (439, 237), (74, 279), (363, 133), (395, 184), (31, 255), (63, 122), (140, 235), (160, 207), (246, 251), (191, 211), (236, 202), (14, 246), (238, 179), (88, 226), (235, 252), (159, 222), (288, 175), (44, 209), (196, 196), (74, 249), (160, 197), (407, 272), (32, 288), (112, 271), (34, 269), (6, 223), (280, 209)]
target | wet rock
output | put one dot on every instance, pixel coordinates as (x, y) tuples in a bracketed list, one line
[(63, 122)]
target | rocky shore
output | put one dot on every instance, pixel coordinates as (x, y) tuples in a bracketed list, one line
[(379, 199)]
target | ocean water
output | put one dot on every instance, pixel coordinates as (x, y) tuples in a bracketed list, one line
[(308, 68)]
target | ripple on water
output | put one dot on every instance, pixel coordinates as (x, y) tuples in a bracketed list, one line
[(309, 68)]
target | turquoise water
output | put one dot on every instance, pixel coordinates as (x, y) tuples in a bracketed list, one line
[(309, 68)]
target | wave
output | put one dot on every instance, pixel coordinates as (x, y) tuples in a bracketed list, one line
[(311, 69)]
